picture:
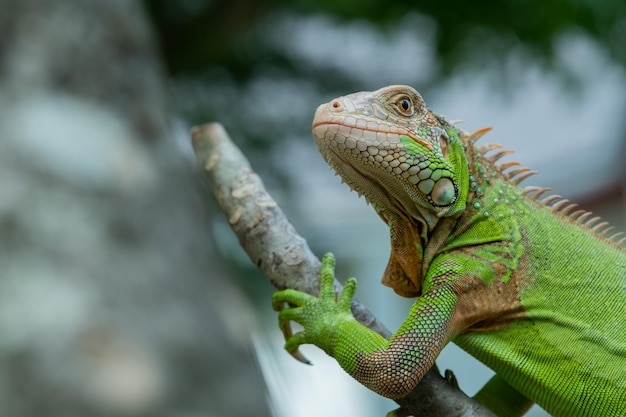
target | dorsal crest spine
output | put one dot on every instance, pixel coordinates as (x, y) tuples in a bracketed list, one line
[(513, 172)]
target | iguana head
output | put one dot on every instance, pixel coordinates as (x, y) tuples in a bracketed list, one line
[(408, 162)]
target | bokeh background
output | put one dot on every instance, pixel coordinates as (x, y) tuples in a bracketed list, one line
[(122, 291)]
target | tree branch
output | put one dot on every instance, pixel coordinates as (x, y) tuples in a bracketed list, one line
[(283, 255)]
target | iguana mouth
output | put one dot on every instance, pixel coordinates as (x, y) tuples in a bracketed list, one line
[(344, 123)]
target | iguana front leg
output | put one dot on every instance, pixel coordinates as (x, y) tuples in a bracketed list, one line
[(390, 368)]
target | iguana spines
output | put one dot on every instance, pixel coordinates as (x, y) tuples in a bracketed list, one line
[(561, 207)]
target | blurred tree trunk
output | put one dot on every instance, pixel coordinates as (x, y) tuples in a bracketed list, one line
[(109, 292)]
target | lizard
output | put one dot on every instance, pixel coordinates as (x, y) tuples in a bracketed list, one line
[(531, 287)]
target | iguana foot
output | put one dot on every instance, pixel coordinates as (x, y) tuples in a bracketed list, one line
[(319, 316), (451, 378)]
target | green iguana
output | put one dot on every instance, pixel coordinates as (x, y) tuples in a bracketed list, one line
[(533, 290)]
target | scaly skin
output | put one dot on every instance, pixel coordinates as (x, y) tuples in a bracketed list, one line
[(532, 292)]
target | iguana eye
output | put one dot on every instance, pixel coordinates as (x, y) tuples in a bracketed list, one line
[(405, 106)]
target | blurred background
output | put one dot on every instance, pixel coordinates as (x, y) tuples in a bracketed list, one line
[(123, 292)]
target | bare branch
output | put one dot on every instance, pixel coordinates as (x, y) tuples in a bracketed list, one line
[(283, 255)]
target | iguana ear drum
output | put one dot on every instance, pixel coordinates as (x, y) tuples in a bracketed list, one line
[(441, 193), (444, 192)]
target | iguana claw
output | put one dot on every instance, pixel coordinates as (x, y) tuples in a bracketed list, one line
[(285, 327)]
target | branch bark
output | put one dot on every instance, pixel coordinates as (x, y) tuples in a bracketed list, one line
[(283, 255)]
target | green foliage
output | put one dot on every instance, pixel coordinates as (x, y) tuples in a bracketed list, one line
[(198, 34)]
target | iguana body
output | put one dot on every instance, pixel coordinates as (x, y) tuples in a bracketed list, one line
[(535, 292)]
